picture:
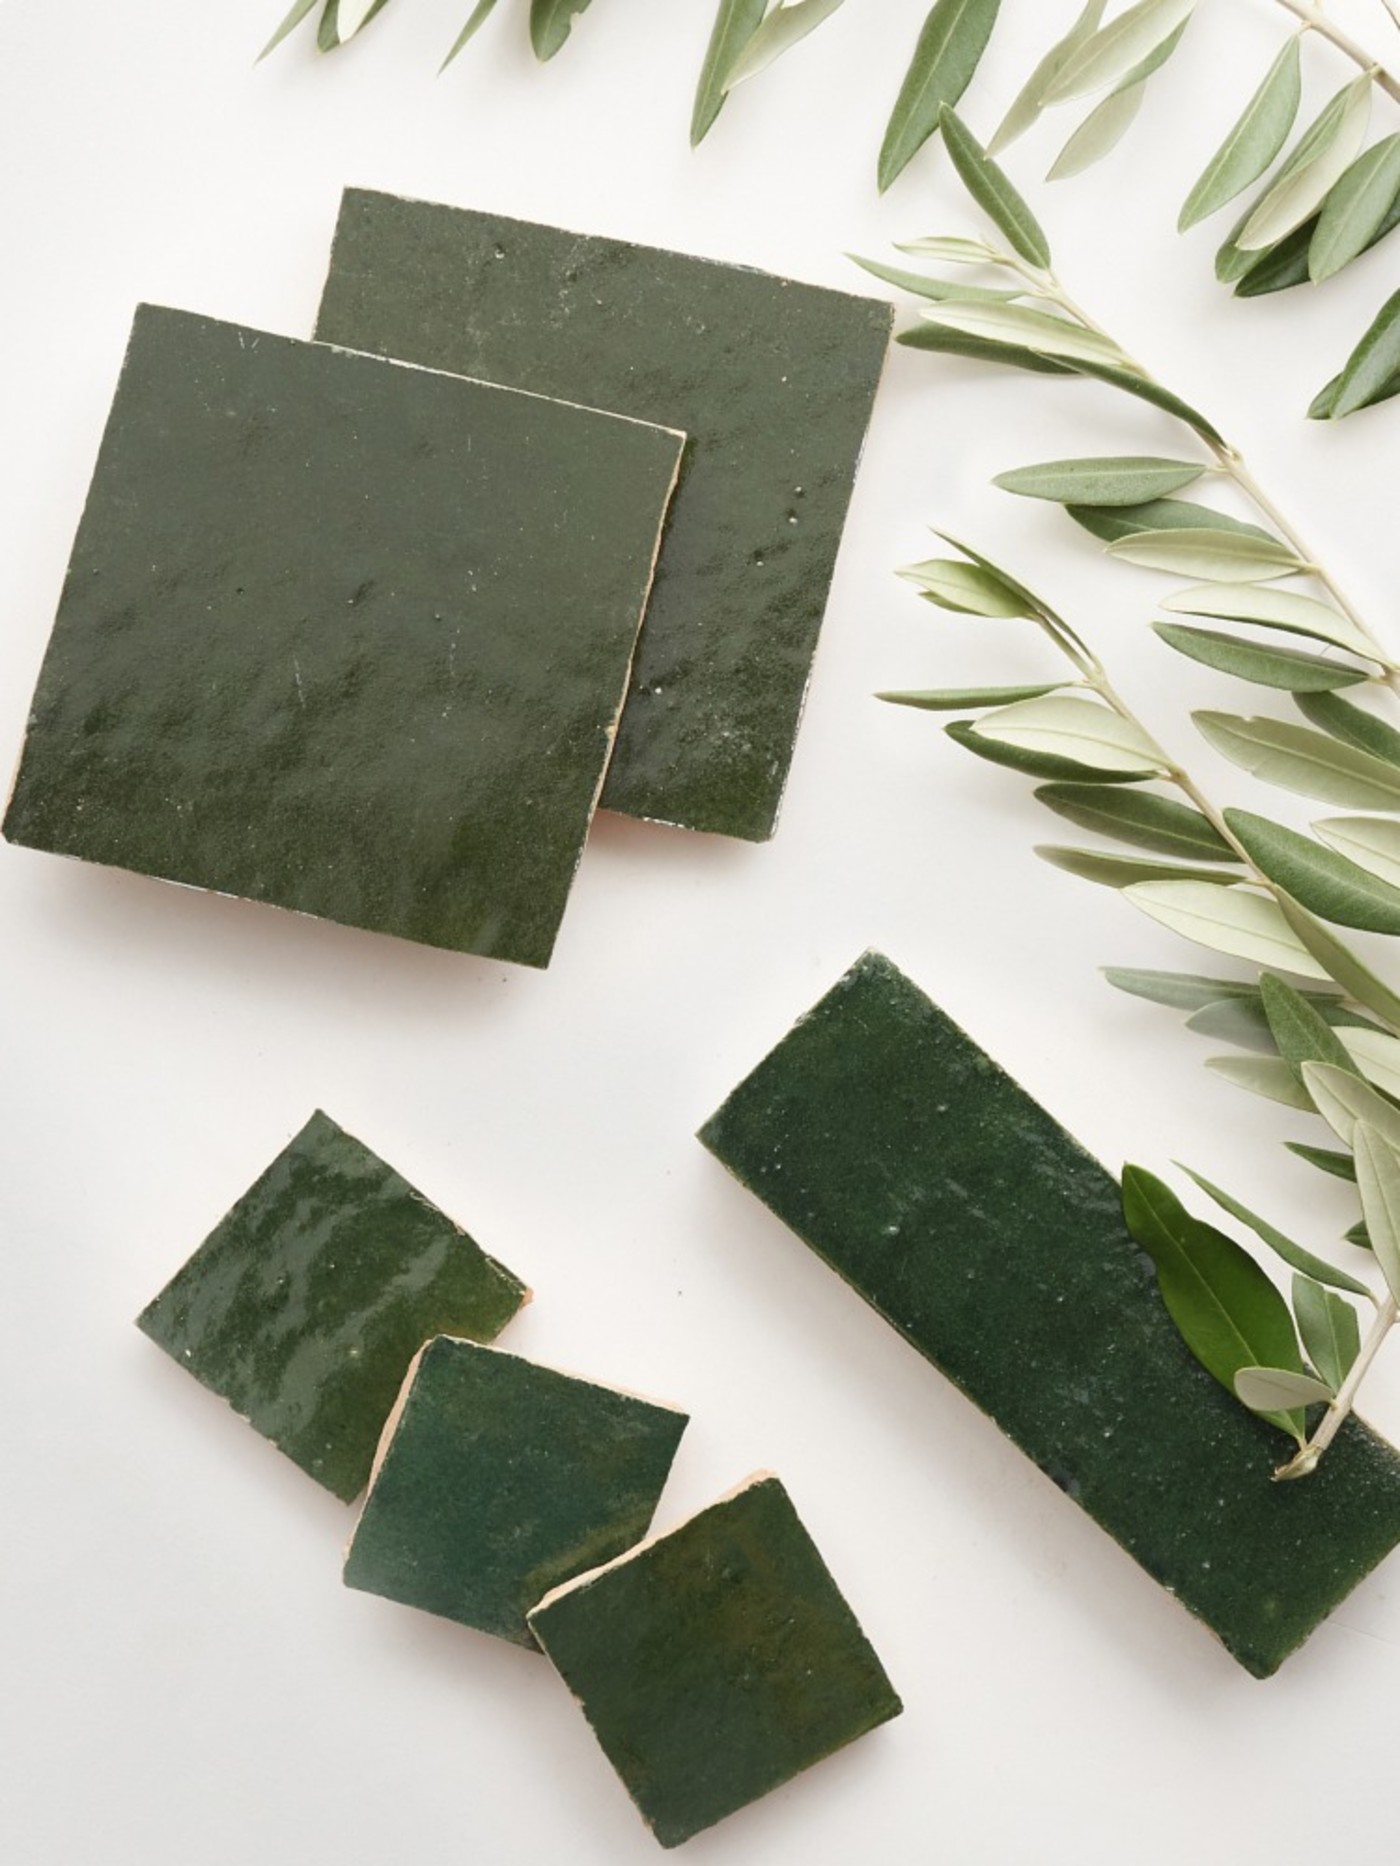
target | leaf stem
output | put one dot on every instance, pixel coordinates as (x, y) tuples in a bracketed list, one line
[(1314, 20), (1309, 1457)]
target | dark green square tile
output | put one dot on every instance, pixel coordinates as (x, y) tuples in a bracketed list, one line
[(498, 1479), (345, 636), (716, 1662), (951, 1201), (305, 1306), (773, 382)]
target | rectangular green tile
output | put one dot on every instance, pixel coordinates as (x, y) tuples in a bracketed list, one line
[(304, 1307), (772, 380), (928, 1179), (345, 636), (716, 1662), (499, 1479)]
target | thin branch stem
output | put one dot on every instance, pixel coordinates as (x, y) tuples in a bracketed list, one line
[(1316, 21), (1308, 1458)]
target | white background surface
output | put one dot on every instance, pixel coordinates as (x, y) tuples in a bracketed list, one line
[(184, 1677)]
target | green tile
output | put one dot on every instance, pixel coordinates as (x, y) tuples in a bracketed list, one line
[(717, 1662), (499, 1479), (344, 636), (305, 1306), (979, 1229), (773, 381)]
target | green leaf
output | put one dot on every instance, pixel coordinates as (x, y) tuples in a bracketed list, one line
[(342, 19), (1281, 266), (1179, 991), (1113, 522), (1101, 132), (1372, 842), (1115, 49), (1358, 1234), (1355, 209), (1369, 370), (1240, 1021), (956, 343), (1229, 920), (293, 19), (1323, 405), (1341, 963), (1300, 1032), (789, 21), (968, 589), (1230, 1315), (1272, 1390), (1019, 324), (1035, 605), (1225, 556), (1118, 480), (551, 21), (1378, 1181), (1352, 725), (987, 183), (1253, 142), (947, 55), (1124, 871), (1319, 879), (1299, 759), (1083, 730), (1326, 1159), (955, 252), (1345, 1102), (1377, 1055), (954, 699), (1030, 99), (1280, 609), (941, 290), (735, 24), (1036, 764), (1320, 159), (1330, 1331), (480, 13), (1148, 391), (1268, 1076), (1141, 818), (1267, 667)]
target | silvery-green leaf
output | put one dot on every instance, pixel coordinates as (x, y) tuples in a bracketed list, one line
[(1141, 818), (478, 18), (1101, 132), (1146, 390), (1018, 324), (1282, 266), (1373, 365), (1329, 1160), (1340, 963), (1358, 1234), (1284, 668), (1240, 1021), (990, 187), (970, 589), (946, 57), (1355, 209), (1378, 1181), (551, 22), (1353, 725), (1332, 143), (342, 19), (1124, 521), (1299, 1027), (1124, 871), (735, 24), (1377, 1054), (1323, 405), (1277, 1389), (1037, 764), (1299, 759), (955, 699), (1280, 609), (1253, 142), (1115, 49), (953, 252), (1179, 991), (957, 343), (1118, 480), (1372, 842), (1030, 99), (789, 21), (1223, 556), (1344, 1102), (1321, 880), (940, 290), (1267, 1076), (1035, 605), (1229, 920), (1064, 726), (293, 19), (1330, 1331)]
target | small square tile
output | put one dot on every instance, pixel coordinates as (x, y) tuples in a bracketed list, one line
[(498, 1479), (716, 1662), (344, 636), (305, 1306)]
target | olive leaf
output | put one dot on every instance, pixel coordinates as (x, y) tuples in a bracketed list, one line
[(789, 21), (1320, 159), (1378, 1181), (1253, 141), (735, 25), (1377, 1054), (1340, 962), (342, 19), (982, 349), (1326, 1159), (1262, 1075), (946, 57), (1141, 818), (1114, 50), (1372, 842), (551, 22), (1346, 1103), (480, 13), (1355, 209), (1029, 101), (1299, 759), (986, 181), (1240, 1021), (1285, 668), (954, 699), (1330, 1331), (1112, 522), (1272, 1390), (1125, 871), (1225, 557), (1037, 764), (1111, 119), (1301, 1032), (1352, 725), (952, 251), (1285, 264), (1179, 991), (1321, 880), (937, 289), (1019, 324), (293, 19), (1373, 366), (1323, 405), (1146, 390), (1268, 608), (1064, 726), (1228, 920), (1118, 480), (1230, 1315), (969, 589)]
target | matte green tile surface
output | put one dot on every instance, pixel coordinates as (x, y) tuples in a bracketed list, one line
[(344, 636), (956, 1206), (305, 1306), (717, 1662), (502, 1478), (773, 382)]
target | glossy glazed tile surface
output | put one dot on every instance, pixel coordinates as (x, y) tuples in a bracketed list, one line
[(343, 636), (502, 1478), (305, 1306), (716, 1663), (956, 1206), (773, 382)]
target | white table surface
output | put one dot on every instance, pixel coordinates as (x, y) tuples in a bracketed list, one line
[(184, 1677)]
